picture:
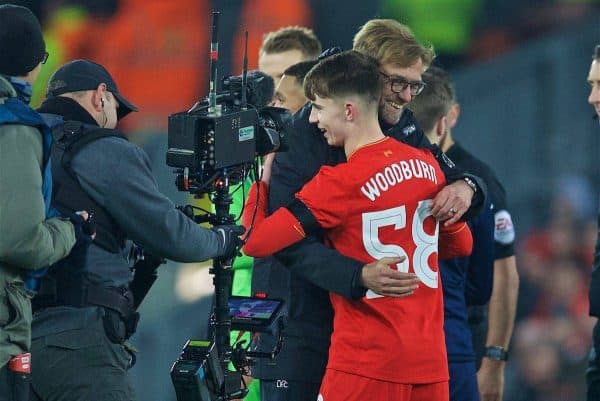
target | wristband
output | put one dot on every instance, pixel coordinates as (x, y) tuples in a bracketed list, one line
[(495, 352), (471, 184)]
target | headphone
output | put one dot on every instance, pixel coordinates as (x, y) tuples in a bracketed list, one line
[(103, 112)]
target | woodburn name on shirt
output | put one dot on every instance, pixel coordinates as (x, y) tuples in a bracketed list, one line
[(397, 173)]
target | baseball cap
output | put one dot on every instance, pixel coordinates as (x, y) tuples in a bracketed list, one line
[(80, 75)]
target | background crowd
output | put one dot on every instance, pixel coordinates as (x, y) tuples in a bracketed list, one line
[(158, 52)]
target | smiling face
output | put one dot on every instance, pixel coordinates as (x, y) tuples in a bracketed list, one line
[(594, 81), (330, 117), (391, 103)]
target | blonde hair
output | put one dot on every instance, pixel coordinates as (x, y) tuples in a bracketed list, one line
[(292, 38), (391, 42)]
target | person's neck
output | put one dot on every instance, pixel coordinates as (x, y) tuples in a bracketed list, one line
[(446, 143), (361, 135)]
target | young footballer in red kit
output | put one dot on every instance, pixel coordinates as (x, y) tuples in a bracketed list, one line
[(376, 205)]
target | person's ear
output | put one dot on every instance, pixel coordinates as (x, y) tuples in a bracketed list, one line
[(350, 111), (453, 115), (441, 126), (99, 97)]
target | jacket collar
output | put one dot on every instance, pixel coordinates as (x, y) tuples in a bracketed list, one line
[(6, 89), (68, 109)]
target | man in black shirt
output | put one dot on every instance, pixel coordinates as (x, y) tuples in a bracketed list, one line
[(502, 304), (593, 373), (311, 269)]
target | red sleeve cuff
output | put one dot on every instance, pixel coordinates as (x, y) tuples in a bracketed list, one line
[(455, 241)]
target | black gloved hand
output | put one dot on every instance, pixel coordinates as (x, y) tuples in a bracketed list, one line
[(85, 230), (229, 240)]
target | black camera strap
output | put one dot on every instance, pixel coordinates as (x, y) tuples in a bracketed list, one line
[(144, 275), (68, 196)]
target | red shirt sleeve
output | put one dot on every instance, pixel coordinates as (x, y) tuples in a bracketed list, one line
[(455, 241), (269, 234), (323, 195), (326, 196)]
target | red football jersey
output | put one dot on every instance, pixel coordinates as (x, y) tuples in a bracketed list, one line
[(373, 206)]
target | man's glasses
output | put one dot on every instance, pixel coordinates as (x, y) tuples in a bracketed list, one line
[(45, 58), (399, 84)]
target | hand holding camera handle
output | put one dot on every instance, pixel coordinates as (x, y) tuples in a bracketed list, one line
[(229, 239)]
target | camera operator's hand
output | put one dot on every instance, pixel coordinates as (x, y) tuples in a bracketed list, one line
[(83, 222), (229, 239), (85, 232)]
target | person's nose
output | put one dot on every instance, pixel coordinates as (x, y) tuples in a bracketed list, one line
[(594, 94), (405, 95)]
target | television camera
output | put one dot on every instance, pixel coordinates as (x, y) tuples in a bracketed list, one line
[(213, 146)]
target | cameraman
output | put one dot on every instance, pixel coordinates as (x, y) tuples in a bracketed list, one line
[(29, 240), (86, 309)]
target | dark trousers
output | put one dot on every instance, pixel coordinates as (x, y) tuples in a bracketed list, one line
[(593, 372), (287, 390), (463, 381), (14, 386), (81, 364)]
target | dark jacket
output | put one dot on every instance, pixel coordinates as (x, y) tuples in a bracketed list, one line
[(595, 283), (504, 237), (117, 175), (303, 274)]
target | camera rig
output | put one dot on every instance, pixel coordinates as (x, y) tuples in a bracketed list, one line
[(213, 146)]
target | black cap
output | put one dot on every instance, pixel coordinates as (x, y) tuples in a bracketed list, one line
[(22, 45), (81, 75)]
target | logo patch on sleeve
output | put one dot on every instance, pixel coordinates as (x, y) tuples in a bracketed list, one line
[(409, 130), (504, 231)]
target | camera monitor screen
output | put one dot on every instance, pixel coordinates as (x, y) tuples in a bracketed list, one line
[(253, 314)]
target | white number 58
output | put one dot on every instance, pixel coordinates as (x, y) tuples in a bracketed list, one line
[(426, 244)]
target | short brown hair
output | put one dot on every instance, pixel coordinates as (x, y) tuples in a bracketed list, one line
[(596, 55), (346, 73), (436, 99), (300, 70), (391, 42), (292, 38)]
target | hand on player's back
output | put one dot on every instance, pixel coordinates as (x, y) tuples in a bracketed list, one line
[(381, 278)]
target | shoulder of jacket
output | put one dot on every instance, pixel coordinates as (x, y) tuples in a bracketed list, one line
[(116, 149), (27, 138), (21, 131)]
